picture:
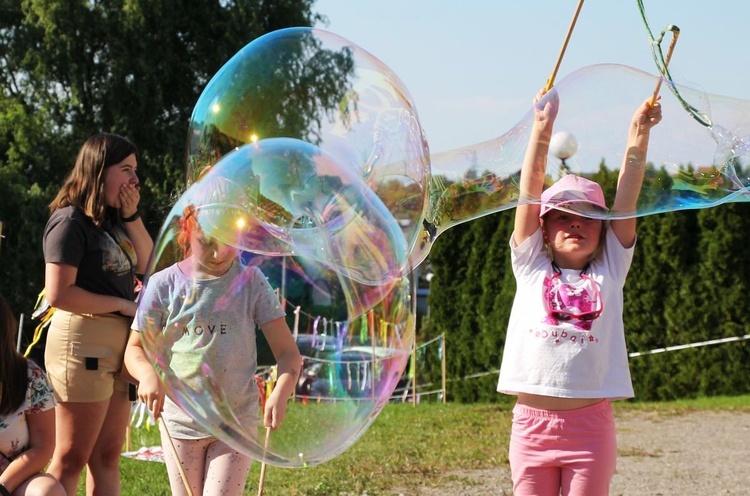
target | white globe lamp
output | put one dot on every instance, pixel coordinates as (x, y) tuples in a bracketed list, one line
[(563, 145)]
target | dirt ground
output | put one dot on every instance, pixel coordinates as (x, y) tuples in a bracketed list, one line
[(698, 453)]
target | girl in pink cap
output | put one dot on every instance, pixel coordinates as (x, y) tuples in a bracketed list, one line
[(565, 357)]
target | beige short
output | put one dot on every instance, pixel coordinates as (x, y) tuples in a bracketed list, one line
[(84, 355)]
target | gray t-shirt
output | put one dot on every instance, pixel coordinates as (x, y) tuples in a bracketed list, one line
[(209, 338), (104, 256)]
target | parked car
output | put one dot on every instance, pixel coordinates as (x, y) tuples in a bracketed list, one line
[(310, 344), (352, 372)]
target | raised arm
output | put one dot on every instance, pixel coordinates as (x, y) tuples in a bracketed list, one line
[(632, 170), (130, 196), (142, 243), (289, 362), (534, 166)]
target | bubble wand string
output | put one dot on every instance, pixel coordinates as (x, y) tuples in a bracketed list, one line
[(675, 34), (262, 480), (702, 118), (551, 80), (176, 458)]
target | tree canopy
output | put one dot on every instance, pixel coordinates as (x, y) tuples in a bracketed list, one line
[(69, 69), (688, 284)]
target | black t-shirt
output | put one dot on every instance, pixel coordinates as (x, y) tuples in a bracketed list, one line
[(104, 256)]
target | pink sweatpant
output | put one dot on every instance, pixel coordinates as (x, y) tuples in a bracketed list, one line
[(572, 452)]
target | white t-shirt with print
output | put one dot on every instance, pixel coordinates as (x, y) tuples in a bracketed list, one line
[(566, 359)]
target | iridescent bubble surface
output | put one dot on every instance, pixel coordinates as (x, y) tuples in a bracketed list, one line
[(315, 86), (322, 177), (328, 245), (690, 165)]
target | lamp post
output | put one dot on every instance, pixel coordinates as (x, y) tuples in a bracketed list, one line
[(563, 145)]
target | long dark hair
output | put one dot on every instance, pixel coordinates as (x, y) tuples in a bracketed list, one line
[(84, 188), (13, 366)]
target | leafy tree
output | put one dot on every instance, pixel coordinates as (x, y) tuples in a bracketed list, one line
[(449, 261), (469, 351), (69, 69), (687, 284), (495, 301), (654, 308), (721, 296)]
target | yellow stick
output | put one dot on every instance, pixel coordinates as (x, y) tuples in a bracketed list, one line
[(675, 34), (262, 480), (551, 80), (177, 458)]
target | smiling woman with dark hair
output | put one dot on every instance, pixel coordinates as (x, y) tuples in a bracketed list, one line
[(27, 419), (94, 245)]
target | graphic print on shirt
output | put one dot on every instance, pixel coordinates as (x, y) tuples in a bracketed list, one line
[(570, 310), (194, 348), (118, 254)]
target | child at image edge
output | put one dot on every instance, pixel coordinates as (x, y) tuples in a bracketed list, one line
[(184, 295), (565, 357)]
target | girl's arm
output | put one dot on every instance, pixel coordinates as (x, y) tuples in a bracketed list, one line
[(130, 196), (41, 445), (142, 243), (534, 166), (61, 292), (150, 386), (632, 170), (289, 362)]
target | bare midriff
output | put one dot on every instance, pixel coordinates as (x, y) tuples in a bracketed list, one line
[(553, 403)]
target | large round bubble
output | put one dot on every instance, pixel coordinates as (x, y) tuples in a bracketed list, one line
[(693, 162), (320, 175), (334, 254), (315, 86), (359, 111)]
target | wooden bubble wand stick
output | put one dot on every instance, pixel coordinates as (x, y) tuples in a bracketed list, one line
[(551, 80), (675, 34), (269, 391), (262, 481), (176, 458)]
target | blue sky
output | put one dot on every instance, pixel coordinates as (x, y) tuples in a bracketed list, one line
[(473, 67)]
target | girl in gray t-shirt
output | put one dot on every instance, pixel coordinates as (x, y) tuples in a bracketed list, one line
[(207, 307)]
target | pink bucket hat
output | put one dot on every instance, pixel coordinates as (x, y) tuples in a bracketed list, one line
[(574, 193)]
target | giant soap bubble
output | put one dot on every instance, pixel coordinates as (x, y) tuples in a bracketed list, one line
[(318, 174), (315, 86), (370, 123), (692, 165), (322, 177), (304, 218)]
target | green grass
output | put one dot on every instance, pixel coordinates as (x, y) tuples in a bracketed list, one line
[(406, 447)]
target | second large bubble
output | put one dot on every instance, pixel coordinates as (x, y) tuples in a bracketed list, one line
[(336, 258)]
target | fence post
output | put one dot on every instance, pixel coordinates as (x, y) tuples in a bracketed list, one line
[(413, 367), (444, 368)]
